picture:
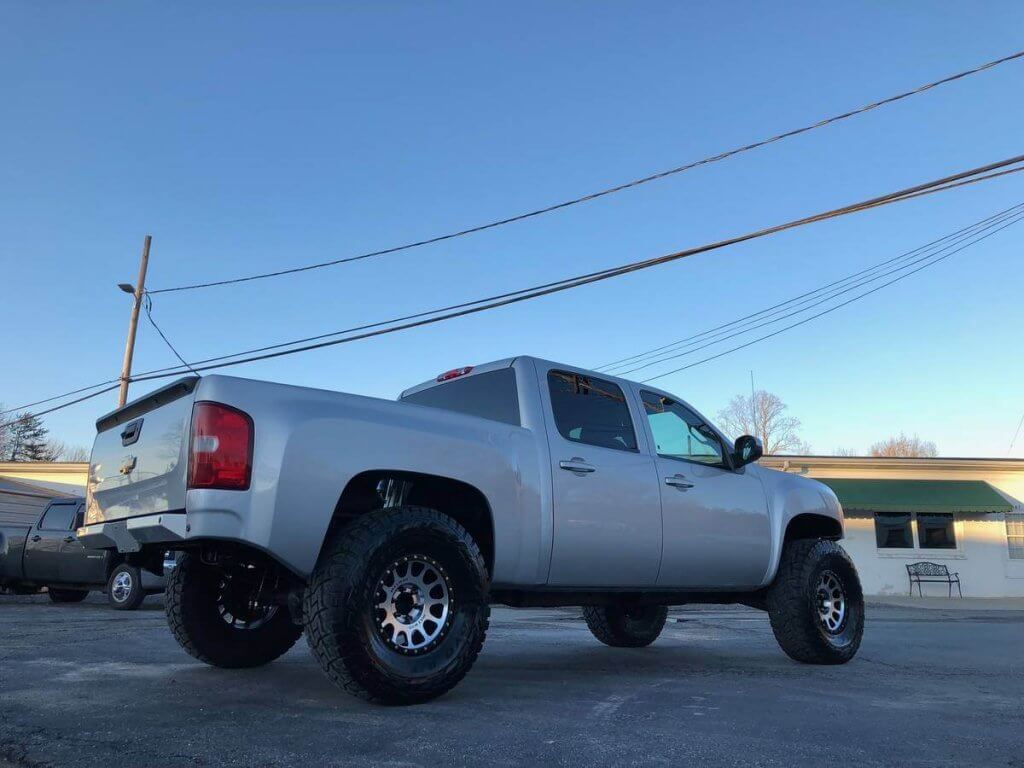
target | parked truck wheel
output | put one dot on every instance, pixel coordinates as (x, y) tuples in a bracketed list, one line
[(124, 588), (815, 604), (396, 611), (625, 626), (214, 615), (67, 595)]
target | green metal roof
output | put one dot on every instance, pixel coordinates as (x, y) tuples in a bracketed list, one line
[(969, 496)]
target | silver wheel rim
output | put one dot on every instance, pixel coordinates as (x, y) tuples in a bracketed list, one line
[(831, 602), (122, 586), (413, 604)]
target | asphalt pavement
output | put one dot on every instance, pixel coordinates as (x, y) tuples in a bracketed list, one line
[(82, 685)]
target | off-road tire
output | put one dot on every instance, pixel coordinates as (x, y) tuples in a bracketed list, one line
[(135, 596), (58, 595), (793, 607), (626, 626), (190, 602), (342, 624)]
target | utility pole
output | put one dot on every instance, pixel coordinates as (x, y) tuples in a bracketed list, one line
[(133, 323)]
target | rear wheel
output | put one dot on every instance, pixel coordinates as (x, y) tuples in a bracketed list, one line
[(66, 595), (124, 588), (626, 626), (396, 611), (216, 614), (815, 604)]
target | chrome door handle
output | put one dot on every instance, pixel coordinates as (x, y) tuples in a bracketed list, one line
[(678, 481), (68, 539), (576, 464), (37, 537)]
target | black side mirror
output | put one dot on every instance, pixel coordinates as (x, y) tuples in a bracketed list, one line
[(747, 449)]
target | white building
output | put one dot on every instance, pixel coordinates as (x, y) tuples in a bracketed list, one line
[(966, 514)]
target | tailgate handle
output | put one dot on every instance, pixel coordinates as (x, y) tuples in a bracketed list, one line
[(131, 432)]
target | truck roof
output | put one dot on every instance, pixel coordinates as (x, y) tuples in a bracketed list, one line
[(505, 363)]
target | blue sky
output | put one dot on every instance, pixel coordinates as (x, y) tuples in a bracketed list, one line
[(254, 136)]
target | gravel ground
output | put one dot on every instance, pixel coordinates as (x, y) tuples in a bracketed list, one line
[(82, 685)]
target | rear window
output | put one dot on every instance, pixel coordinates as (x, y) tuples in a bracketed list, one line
[(492, 395)]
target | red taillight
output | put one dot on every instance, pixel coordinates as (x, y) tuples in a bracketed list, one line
[(220, 450), (454, 373)]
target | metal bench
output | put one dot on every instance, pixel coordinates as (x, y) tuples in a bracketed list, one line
[(932, 572)]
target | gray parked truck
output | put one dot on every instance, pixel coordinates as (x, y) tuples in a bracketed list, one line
[(385, 529), (47, 554)]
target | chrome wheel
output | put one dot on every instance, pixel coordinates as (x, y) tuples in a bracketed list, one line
[(121, 589), (413, 604), (831, 603)]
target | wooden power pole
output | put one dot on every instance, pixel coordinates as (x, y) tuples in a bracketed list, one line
[(133, 323)]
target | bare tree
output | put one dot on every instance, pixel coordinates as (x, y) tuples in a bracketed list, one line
[(845, 452), (905, 446), (763, 415), (61, 451)]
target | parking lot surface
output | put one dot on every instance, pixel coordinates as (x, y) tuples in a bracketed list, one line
[(82, 685)]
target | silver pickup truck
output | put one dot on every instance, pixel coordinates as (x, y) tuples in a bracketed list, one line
[(384, 530)]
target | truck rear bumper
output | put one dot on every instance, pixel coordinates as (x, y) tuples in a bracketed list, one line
[(130, 535)]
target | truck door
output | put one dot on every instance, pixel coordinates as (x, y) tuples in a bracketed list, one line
[(607, 512), (78, 565), (717, 531), (42, 550)]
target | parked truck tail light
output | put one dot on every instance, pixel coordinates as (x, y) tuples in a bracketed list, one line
[(220, 448)]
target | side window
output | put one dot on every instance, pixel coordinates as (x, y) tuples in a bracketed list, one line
[(679, 433), (591, 411), (58, 517)]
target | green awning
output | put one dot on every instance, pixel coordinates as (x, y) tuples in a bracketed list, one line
[(968, 496)]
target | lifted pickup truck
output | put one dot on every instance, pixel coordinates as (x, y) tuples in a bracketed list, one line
[(385, 529), (47, 554)]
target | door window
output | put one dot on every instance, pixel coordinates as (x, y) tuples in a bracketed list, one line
[(679, 433), (58, 517), (591, 411)]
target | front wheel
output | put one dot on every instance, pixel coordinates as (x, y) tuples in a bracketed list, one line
[(626, 626), (815, 604), (216, 614), (124, 588), (397, 611)]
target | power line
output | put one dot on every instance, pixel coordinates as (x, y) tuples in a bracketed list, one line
[(982, 173), (949, 182), (830, 309), (1016, 434), (631, 359), (57, 397), (149, 314), (12, 422), (609, 191), (672, 351)]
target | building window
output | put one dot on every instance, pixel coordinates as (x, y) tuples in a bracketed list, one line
[(1015, 534), (935, 531), (892, 530)]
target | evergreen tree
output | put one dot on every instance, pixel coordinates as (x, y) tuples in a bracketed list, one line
[(26, 440)]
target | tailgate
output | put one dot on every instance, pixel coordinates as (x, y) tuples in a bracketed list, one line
[(140, 456)]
